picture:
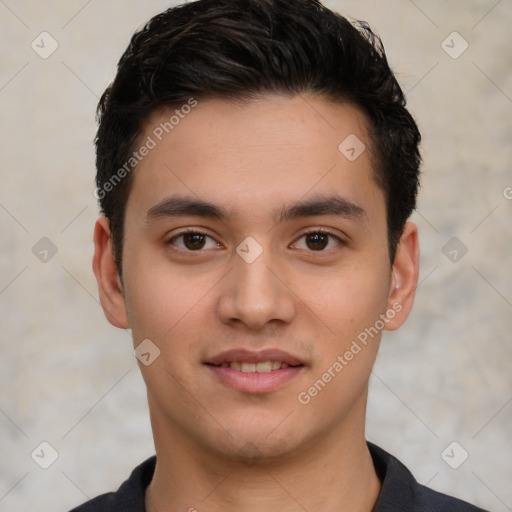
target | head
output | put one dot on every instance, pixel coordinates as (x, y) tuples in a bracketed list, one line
[(256, 167)]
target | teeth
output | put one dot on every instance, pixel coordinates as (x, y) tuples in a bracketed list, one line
[(263, 367)]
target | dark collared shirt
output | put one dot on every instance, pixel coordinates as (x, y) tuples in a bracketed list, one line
[(400, 492)]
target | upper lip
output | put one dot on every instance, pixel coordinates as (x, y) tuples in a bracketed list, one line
[(249, 356)]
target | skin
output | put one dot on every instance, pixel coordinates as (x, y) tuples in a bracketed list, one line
[(218, 448)]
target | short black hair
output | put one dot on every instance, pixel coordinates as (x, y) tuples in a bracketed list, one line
[(244, 49)]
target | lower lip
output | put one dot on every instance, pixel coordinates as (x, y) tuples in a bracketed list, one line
[(255, 382)]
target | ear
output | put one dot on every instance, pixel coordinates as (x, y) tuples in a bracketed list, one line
[(404, 277), (105, 270)]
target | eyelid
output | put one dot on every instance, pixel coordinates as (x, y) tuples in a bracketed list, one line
[(324, 231), (200, 231), (196, 231)]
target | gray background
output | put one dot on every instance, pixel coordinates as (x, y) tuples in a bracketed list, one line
[(67, 377)]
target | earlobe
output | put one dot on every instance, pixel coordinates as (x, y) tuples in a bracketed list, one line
[(404, 276), (109, 283)]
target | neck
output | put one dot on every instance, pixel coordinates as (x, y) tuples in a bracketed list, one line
[(332, 473)]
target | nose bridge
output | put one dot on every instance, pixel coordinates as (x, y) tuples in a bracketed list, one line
[(255, 281), (253, 293)]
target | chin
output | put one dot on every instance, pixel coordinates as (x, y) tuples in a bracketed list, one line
[(256, 445), (262, 453)]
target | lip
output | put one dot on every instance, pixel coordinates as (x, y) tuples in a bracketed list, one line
[(248, 356), (255, 383)]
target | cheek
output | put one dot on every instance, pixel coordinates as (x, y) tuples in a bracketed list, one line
[(349, 306), (169, 309), (159, 300), (349, 299)]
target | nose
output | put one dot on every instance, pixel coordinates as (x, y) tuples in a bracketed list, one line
[(255, 294)]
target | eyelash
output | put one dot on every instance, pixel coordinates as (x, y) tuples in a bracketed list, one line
[(321, 231), (188, 232)]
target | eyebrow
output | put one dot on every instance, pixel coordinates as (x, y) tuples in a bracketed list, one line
[(178, 206), (331, 205)]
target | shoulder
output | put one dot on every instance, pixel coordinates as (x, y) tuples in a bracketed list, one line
[(428, 500), (129, 497), (103, 503), (400, 490)]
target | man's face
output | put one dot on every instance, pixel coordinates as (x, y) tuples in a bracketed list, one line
[(253, 242)]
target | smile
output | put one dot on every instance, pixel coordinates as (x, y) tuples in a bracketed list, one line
[(254, 372), (263, 367)]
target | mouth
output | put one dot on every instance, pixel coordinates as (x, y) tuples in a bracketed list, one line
[(255, 372), (263, 367)]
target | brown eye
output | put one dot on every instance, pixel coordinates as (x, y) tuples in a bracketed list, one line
[(194, 241), (317, 241)]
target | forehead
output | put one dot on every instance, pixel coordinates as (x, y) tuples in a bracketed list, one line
[(265, 151)]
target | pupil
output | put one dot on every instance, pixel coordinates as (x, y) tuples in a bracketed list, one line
[(194, 240), (316, 241)]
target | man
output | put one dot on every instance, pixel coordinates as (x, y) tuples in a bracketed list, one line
[(256, 170)]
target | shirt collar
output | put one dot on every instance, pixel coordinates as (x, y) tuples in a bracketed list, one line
[(398, 491)]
